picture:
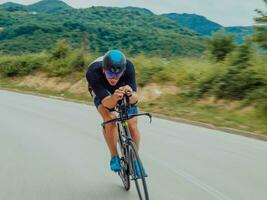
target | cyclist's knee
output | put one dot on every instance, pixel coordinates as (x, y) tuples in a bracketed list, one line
[(106, 115), (133, 128), (133, 125)]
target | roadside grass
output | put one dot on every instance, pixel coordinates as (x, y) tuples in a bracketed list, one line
[(4, 84), (174, 106)]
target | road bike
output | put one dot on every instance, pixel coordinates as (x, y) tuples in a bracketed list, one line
[(127, 149)]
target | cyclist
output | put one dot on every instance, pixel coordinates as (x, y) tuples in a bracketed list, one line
[(109, 78)]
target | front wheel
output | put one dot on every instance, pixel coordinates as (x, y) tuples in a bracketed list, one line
[(124, 173), (140, 182)]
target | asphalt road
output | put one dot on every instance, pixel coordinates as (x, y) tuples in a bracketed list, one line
[(54, 150)]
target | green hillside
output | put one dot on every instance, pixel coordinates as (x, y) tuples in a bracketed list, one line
[(198, 23), (49, 6), (206, 27), (131, 29), (9, 6)]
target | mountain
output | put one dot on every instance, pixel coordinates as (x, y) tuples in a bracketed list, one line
[(49, 6), (241, 32), (206, 27), (41, 6), (195, 22), (137, 9), (12, 7), (134, 30)]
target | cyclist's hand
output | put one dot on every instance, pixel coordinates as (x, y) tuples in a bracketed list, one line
[(118, 94), (127, 90)]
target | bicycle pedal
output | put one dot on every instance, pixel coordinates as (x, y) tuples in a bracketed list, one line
[(134, 178)]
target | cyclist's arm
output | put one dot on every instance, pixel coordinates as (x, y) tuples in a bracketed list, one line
[(109, 102), (100, 90), (134, 98)]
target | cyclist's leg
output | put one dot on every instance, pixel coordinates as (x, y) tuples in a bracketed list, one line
[(136, 137), (110, 131), (111, 137), (133, 126), (134, 131)]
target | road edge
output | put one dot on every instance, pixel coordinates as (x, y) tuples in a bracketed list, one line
[(158, 115)]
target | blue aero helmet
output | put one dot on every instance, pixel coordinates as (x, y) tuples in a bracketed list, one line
[(114, 61)]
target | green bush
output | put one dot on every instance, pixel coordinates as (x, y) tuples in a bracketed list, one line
[(240, 77), (235, 79), (22, 65), (237, 83), (220, 45), (59, 67), (260, 35), (205, 82), (147, 69), (78, 61), (61, 50), (258, 98), (64, 59), (148, 74)]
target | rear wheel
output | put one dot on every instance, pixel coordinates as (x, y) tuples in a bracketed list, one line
[(140, 182)]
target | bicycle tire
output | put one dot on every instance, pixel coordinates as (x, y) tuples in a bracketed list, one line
[(125, 173), (141, 181)]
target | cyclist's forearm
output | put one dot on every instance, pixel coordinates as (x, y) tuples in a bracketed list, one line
[(109, 102), (133, 98)]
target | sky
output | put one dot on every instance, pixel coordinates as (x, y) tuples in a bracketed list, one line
[(224, 12)]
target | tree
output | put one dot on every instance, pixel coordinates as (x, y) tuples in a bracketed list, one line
[(240, 78), (261, 28), (61, 50), (220, 45), (243, 55), (78, 60), (85, 41)]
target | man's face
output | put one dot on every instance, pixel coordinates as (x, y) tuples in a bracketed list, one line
[(112, 78), (113, 82)]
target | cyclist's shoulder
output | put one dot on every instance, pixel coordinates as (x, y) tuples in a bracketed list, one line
[(96, 63), (129, 63), (130, 69), (94, 68)]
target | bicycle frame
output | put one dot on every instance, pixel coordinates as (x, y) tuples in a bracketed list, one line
[(122, 121), (128, 147)]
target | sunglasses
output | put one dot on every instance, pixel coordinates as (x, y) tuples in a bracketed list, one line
[(111, 75)]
